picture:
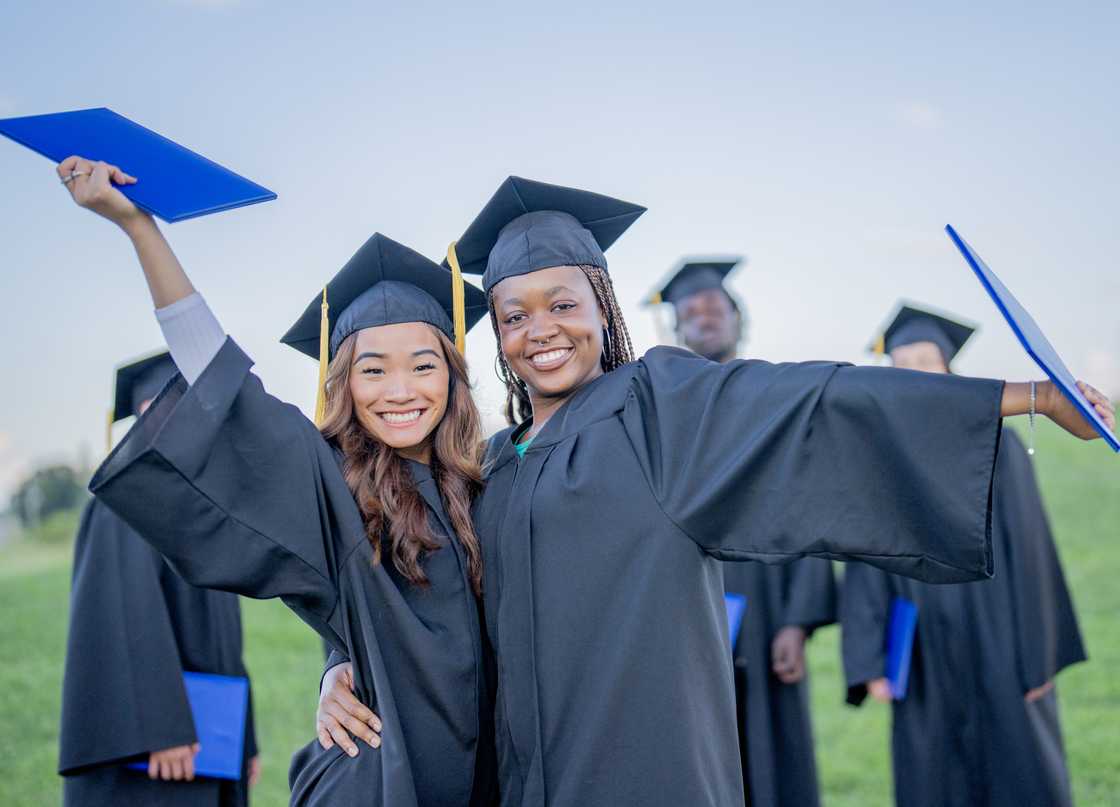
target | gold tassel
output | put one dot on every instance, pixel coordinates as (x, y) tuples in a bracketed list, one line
[(458, 300), (880, 347), (324, 360), (109, 432)]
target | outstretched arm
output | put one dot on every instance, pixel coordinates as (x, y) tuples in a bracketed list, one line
[(770, 462)]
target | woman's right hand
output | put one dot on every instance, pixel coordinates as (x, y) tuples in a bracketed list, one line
[(341, 716), (93, 187)]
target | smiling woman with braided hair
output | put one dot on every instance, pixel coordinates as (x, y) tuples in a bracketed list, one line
[(617, 347), (612, 498)]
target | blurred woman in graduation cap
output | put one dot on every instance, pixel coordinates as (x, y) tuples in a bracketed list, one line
[(622, 484), (979, 721), (135, 627), (784, 603), (360, 524)]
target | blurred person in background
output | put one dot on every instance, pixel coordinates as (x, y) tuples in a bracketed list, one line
[(979, 721), (135, 627), (784, 604)]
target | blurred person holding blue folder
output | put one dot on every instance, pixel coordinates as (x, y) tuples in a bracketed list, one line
[(359, 522), (979, 722), (135, 627), (785, 603)]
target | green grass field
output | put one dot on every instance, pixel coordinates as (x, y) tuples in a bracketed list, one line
[(1081, 484)]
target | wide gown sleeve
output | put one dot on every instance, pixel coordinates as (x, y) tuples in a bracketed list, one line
[(123, 691), (759, 461), (865, 601), (238, 491)]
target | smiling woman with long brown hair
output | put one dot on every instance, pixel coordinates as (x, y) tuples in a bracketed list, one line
[(362, 527), (375, 455)]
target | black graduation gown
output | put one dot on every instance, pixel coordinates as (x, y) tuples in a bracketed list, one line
[(135, 626), (603, 587), (245, 495), (964, 734), (775, 729)]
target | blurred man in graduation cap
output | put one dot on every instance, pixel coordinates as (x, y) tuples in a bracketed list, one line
[(135, 627), (979, 721), (784, 603)]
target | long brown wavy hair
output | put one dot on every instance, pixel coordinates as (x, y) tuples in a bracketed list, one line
[(617, 347), (379, 479)]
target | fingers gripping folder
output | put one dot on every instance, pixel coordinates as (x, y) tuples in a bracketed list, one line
[(174, 183), (1032, 339)]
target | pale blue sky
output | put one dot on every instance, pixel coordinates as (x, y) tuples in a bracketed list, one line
[(829, 142)]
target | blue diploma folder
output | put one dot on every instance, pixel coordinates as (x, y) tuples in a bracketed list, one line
[(1031, 337), (219, 706), (900, 645), (736, 607), (173, 182)]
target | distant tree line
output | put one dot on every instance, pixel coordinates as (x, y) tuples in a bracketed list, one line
[(49, 490)]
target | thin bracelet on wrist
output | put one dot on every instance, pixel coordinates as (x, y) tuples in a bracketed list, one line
[(1034, 396)]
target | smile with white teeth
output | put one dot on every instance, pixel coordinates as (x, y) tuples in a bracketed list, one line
[(550, 356), (401, 418)]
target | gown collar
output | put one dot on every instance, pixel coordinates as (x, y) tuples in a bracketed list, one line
[(594, 401)]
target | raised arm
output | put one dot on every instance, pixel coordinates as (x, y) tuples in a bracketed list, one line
[(193, 334), (93, 185), (237, 489)]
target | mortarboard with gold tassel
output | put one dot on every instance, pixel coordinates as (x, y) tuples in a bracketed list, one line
[(384, 283)]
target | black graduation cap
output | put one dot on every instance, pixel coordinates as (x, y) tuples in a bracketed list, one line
[(912, 324), (530, 225), (140, 380), (692, 275), (134, 382), (385, 283)]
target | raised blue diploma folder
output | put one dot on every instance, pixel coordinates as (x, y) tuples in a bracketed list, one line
[(900, 645), (1028, 333), (173, 182), (736, 606), (219, 706)]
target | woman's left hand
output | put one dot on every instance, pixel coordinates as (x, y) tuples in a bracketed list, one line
[(341, 716), (1060, 410)]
